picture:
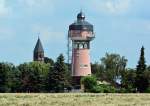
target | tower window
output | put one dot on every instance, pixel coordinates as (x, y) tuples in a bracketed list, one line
[(85, 46), (81, 46), (83, 65), (75, 45)]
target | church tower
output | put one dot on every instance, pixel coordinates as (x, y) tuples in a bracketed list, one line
[(38, 54)]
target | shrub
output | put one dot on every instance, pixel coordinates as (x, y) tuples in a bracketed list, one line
[(108, 88), (147, 90), (97, 89), (89, 83)]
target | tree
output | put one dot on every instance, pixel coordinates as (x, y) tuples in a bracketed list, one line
[(14, 80), (141, 81), (34, 76), (141, 67), (5, 70), (147, 74), (49, 60), (128, 80), (58, 76), (98, 71), (3, 77), (114, 65)]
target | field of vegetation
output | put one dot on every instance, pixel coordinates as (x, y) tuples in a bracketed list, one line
[(74, 99)]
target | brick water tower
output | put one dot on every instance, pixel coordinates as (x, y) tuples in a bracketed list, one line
[(80, 34)]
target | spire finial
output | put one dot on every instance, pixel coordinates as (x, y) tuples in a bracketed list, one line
[(39, 35), (81, 10)]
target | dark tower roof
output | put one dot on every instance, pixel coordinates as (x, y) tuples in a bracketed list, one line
[(80, 16), (38, 47), (81, 24)]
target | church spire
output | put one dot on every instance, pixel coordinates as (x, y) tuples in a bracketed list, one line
[(38, 51), (38, 47)]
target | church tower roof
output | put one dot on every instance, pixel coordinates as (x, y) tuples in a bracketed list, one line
[(38, 47)]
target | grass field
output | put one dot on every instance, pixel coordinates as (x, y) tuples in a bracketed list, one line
[(74, 99)]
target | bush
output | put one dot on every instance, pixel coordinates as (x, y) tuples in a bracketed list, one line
[(89, 83), (97, 89), (103, 89), (122, 90), (147, 90), (107, 88)]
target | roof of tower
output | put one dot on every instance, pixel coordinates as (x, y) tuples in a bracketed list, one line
[(80, 16), (38, 47), (81, 24)]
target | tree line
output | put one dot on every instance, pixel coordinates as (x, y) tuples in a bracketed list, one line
[(112, 69), (48, 76), (110, 74)]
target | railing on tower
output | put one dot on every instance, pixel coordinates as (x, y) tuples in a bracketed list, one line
[(69, 51)]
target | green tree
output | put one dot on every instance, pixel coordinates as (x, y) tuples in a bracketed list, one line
[(128, 80), (58, 76), (114, 65), (49, 60), (14, 80), (98, 71), (141, 67), (141, 81), (5, 70), (34, 76), (3, 77)]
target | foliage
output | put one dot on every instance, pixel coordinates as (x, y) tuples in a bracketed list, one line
[(53, 76), (141, 67), (5, 70), (141, 82), (128, 80), (111, 68), (147, 90), (98, 71), (48, 60), (108, 88), (114, 65), (89, 83), (102, 88), (33, 76), (58, 76), (14, 80), (147, 76)]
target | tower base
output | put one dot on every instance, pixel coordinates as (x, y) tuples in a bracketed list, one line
[(76, 82)]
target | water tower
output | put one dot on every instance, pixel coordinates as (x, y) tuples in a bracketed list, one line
[(80, 34)]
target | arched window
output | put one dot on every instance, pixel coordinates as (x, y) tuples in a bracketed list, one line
[(80, 46), (85, 46), (76, 45)]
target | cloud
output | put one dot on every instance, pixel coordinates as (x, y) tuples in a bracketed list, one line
[(4, 9), (32, 5), (111, 6), (47, 34), (6, 34), (117, 6)]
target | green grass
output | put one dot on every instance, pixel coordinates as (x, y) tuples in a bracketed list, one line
[(74, 99)]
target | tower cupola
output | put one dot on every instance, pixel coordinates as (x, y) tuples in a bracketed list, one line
[(80, 16), (81, 24)]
